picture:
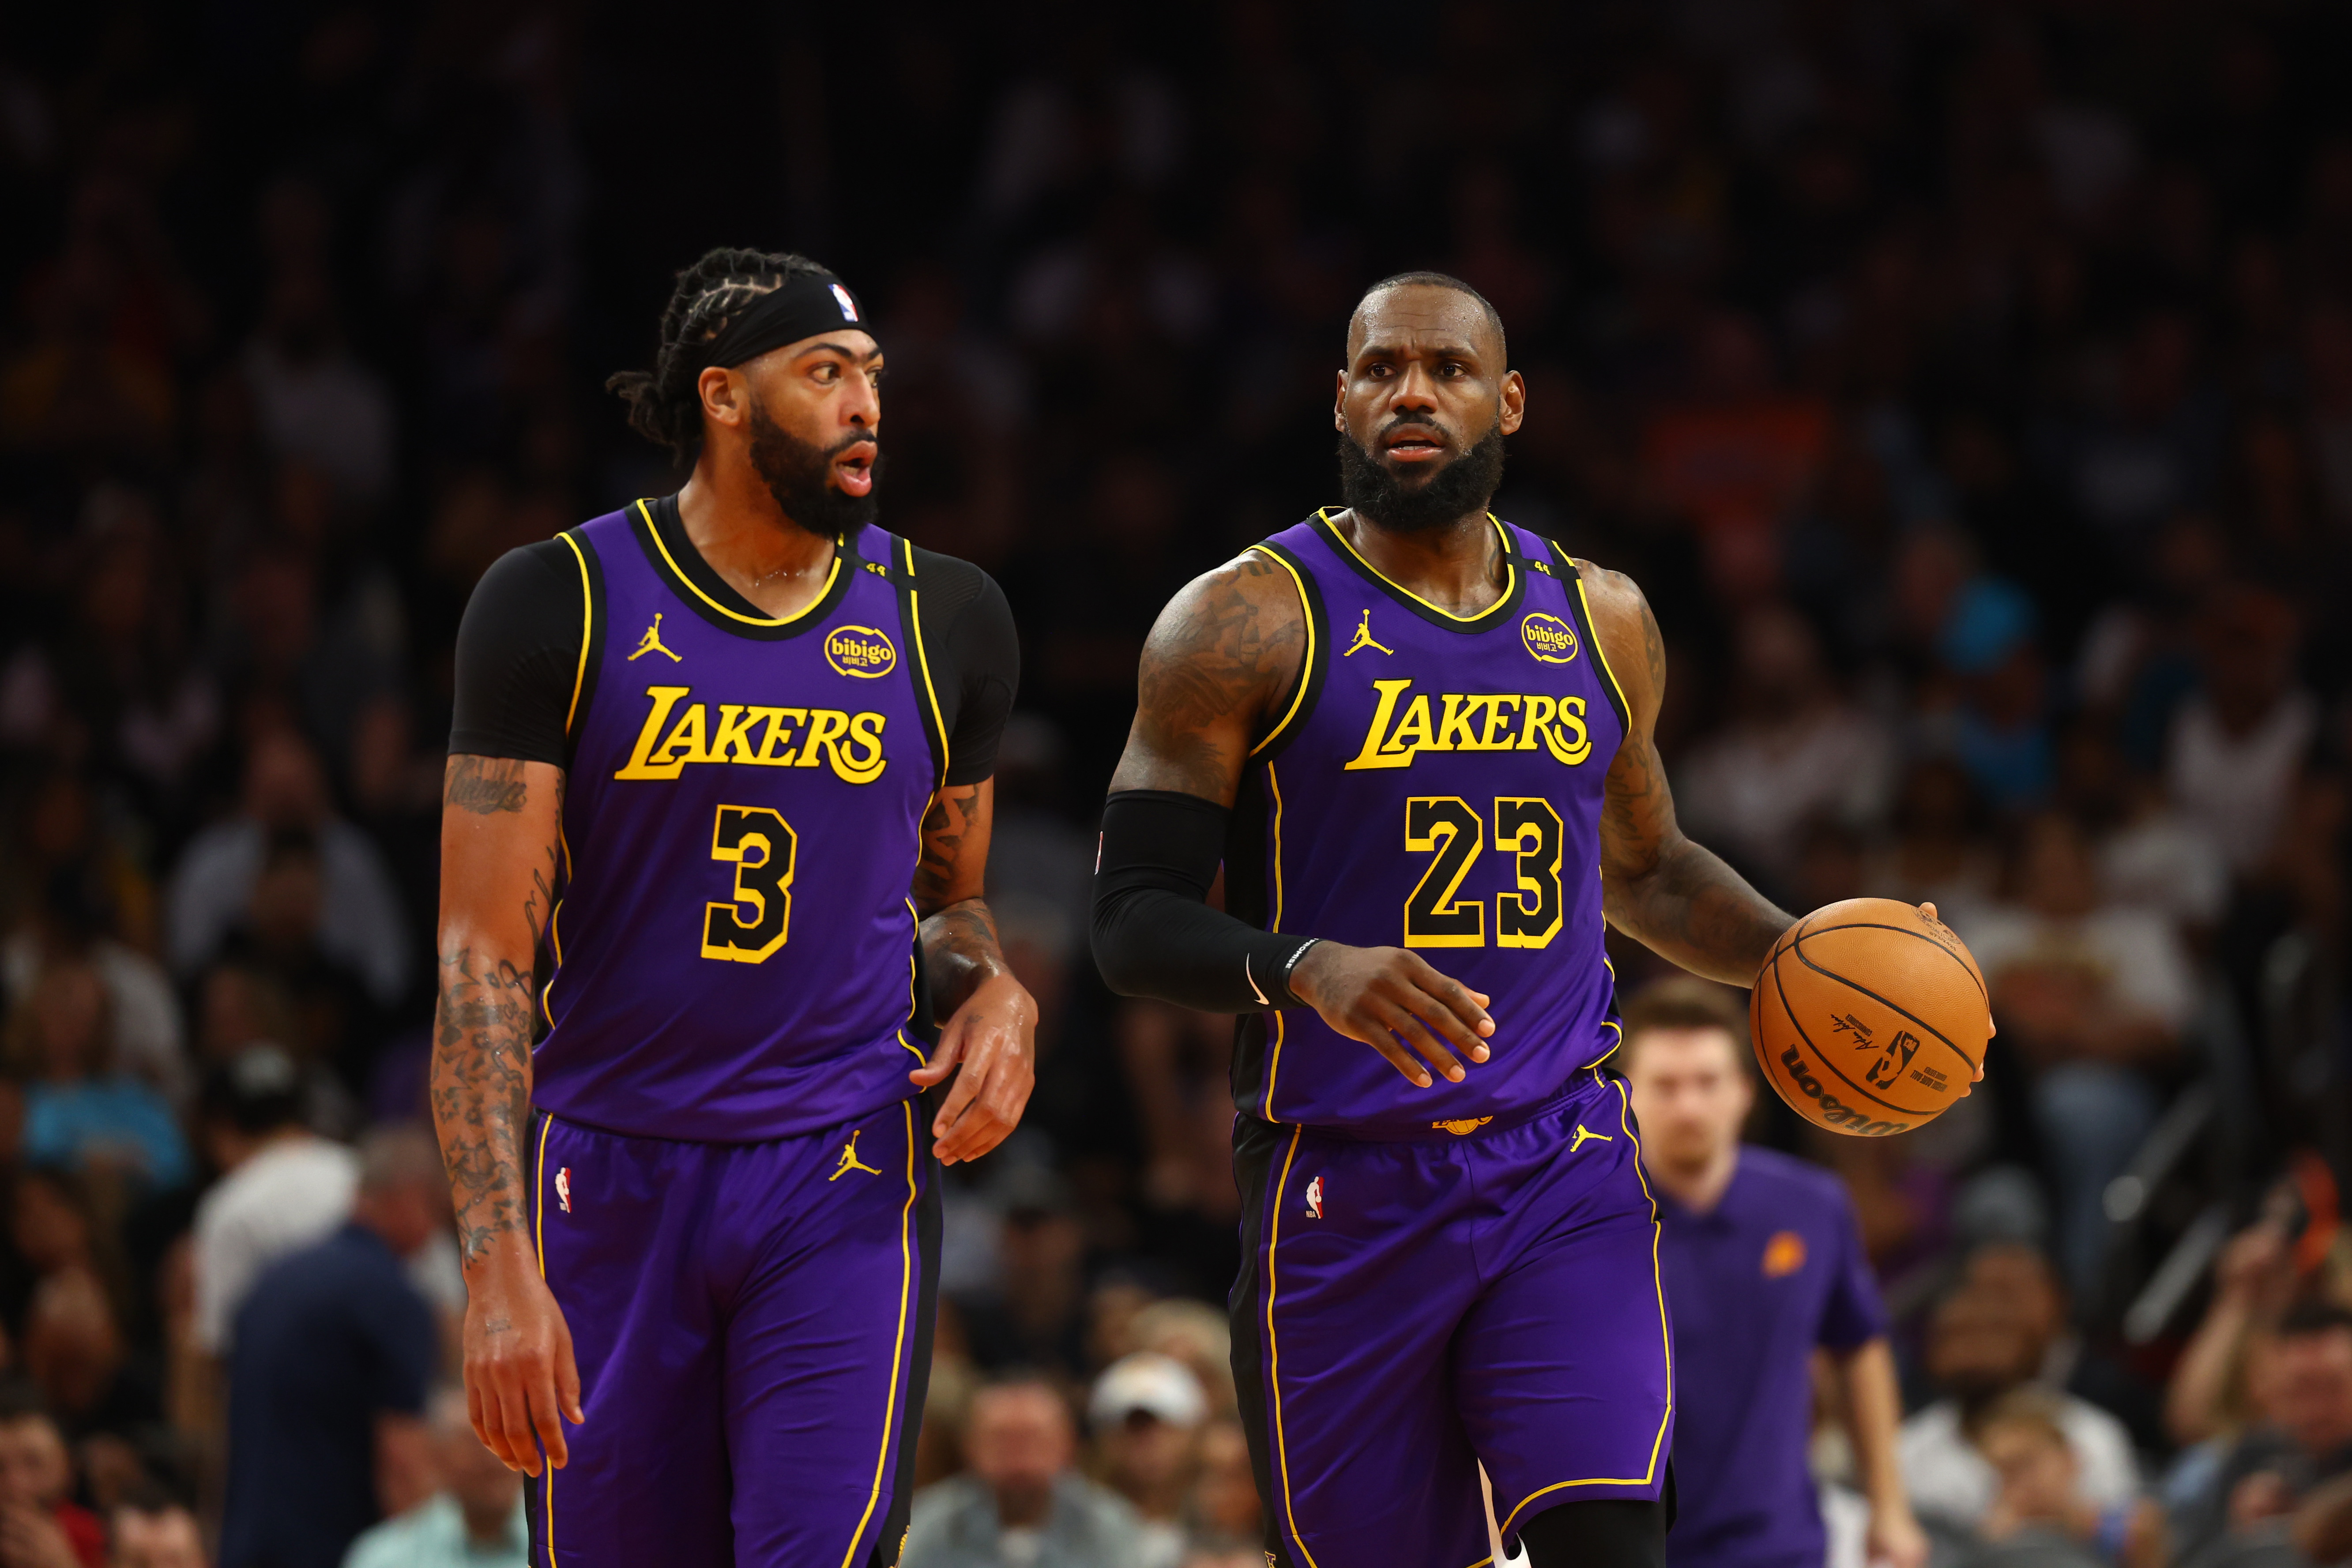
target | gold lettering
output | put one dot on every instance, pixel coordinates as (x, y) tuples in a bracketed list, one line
[(1372, 756), (1572, 719), (641, 763), (864, 762), (687, 732), (1412, 733), (1457, 723), (1540, 711), (826, 727), (1487, 739), (732, 743), (780, 734)]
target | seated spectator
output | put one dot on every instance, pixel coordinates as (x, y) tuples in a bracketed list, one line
[(1797, 751), (1199, 1335), (2149, 855), (1146, 1411), (473, 1520), (2090, 994), (153, 1529), (75, 1352), (212, 887), (282, 1186), (1979, 1347), (1023, 1503), (2237, 745), (2001, 732), (332, 1356), (2253, 1286), (2023, 1438), (1034, 1317), (39, 1526), (1939, 854), (2302, 1385), (1224, 1513), (146, 1039), (281, 933), (79, 1111)]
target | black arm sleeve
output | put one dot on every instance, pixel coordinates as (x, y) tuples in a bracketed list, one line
[(975, 659), (518, 656), (1154, 932)]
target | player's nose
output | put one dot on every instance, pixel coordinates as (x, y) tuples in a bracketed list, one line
[(1413, 392)]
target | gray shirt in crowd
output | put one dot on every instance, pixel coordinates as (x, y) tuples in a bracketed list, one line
[(955, 1526)]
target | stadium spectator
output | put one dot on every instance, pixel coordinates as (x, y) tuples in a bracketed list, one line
[(79, 1111), (153, 1529), (41, 1525), (1146, 1411), (2302, 1386), (2022, 1436), (473, 1520), (332, 1355), (1023, 1504)]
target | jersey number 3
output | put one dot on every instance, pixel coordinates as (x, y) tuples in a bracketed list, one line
[(1445, 827), (751, 927)]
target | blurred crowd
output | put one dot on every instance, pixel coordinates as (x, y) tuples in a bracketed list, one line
[(1968, 386)]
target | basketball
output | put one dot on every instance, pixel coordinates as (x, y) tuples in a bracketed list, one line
[(1870, 1017)]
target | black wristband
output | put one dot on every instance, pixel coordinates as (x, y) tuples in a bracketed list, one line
[(1154, 932)]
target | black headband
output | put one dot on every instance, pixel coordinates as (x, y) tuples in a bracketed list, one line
[(805, 305)]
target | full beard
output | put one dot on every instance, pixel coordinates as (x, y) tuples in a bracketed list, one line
[(1460, 488), (800, 476)]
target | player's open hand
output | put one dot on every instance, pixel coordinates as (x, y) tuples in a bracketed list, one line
[(520, 1371), (1378, 993), (992, 1037)]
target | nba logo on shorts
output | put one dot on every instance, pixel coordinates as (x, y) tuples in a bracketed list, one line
[(848, 306), (563, 1188), (1315, 1198)]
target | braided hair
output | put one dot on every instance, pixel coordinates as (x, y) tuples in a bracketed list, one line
[(664, 405)]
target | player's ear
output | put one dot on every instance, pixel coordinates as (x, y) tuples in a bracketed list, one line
[(1339, 404), (724, 394), (1515, 402)]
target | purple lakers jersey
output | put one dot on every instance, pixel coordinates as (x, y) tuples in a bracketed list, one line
[(734, 950), (1434, 781)]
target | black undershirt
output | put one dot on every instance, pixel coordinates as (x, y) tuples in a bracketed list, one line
[(519, 650)]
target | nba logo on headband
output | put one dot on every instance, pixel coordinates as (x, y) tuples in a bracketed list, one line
[(848, 305)]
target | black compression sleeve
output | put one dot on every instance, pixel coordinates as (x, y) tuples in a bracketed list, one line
[(518, 655), (975, 659), (1154, 932)]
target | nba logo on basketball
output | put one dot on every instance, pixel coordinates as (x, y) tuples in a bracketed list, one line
[(1315, 1198), (563, 1189)]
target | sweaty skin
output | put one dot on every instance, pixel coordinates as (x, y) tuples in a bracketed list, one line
[(499, 859), (1424, 380)]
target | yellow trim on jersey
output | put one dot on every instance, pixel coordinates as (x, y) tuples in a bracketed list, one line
[(897, 1354), (1600, 654), (1274, 1062), (587, 624), (1306, 668), (539, 1240), (923, 662), (554, 936), (822, 593), (1274, 1347), (917, 918), (1666, 1334), (1510, 568)]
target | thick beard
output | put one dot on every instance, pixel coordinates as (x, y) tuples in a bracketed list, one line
[(800, 476), (1461, 488)]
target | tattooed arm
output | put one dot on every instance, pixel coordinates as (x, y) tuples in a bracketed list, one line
[(1674, 896), (499, 848), (1224, 652), (991, 1032)]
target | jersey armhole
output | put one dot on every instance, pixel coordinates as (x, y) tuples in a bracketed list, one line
[(1299, 703), (591, 639), (1582, 608), (900, 570)]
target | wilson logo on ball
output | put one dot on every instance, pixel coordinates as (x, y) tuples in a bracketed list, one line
[(1833, 1114)]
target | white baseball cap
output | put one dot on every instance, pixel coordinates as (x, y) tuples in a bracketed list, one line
[(1146, 1380)]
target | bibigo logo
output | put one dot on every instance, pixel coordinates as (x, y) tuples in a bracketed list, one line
[(861, 651), (1548, 637)]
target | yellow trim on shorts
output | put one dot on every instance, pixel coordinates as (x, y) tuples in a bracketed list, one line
[(899, 1352), (1274, 1348), (1274, 1062), (1665, 1337)]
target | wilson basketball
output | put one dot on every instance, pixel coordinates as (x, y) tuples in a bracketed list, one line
[(1870, 1018)]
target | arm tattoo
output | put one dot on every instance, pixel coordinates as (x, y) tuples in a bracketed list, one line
[(1223, 649), (484, 785), (946, 826), (959, 934)]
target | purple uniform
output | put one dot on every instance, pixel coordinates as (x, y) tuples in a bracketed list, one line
[(1774, 1269), (732, 1185), (1467, 1272)]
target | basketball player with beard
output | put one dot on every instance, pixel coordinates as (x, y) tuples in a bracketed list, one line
[(716, 814), (1419, 741)]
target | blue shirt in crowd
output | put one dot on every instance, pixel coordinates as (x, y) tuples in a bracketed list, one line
[(1775, 1269), (98, 1119), (331, 1338)]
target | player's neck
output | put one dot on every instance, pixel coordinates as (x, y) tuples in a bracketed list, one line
[(1458, 568), (1700, 1185), (735, 524)]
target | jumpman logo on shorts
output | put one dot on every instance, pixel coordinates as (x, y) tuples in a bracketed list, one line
[(850, 1162), (651, 643), (1365, 639), (1583, 1133)]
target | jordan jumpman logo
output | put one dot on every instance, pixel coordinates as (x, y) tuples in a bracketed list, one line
[(850, 1162), (1581, 1135), (651, 643), (1365, 639)]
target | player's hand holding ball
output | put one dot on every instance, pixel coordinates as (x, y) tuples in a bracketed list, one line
[(1870, 1017)]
